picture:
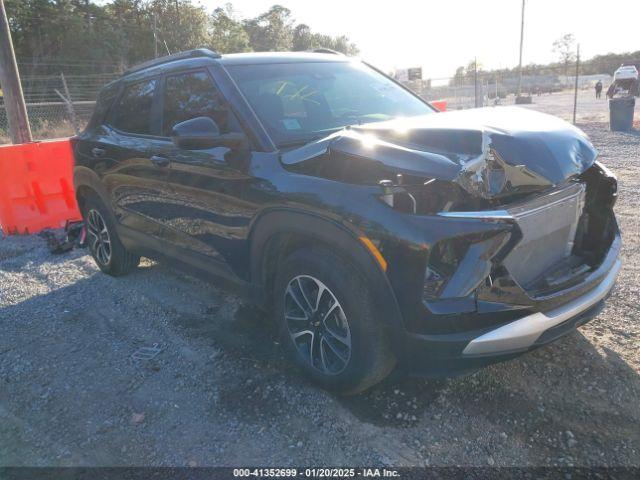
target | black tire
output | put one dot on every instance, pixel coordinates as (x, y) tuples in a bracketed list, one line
[(369, 359), (119, 261)]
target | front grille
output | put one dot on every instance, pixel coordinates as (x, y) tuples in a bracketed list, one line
[(548, 224)]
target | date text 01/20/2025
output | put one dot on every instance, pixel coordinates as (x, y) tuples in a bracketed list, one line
[(315, 472)]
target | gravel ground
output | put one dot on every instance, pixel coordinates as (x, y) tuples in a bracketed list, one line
[(589, 109), (158, 368)]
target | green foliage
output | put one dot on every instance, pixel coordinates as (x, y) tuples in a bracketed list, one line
[(600, 64), (465, 75), (87, 37), (227, 34), (271, 31), (305, 39), (609, 63)]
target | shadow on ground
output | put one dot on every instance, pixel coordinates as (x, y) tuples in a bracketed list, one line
[(69, 385)]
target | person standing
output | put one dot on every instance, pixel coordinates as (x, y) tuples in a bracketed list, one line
[(598, 89)]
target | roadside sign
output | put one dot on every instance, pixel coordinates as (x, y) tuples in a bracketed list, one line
[(415, 73)]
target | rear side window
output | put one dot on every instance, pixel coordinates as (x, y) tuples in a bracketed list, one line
[(133, 111), (191, 95), (105, 100)]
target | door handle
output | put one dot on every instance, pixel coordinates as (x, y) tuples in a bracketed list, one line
[(160, 161), (98, 152)]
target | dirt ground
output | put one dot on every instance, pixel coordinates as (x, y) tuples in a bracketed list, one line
[(158, 368), (589, 108)]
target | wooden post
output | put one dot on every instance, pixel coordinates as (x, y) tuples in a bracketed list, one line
[(66, 98), (19, 130)]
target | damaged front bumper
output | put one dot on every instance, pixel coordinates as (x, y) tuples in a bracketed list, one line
[(525, 332), (549, 318), (501, 282)]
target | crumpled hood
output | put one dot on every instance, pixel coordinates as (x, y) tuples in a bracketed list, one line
[(489, 151)]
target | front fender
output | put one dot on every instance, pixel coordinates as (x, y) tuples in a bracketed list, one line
[(336, 235)]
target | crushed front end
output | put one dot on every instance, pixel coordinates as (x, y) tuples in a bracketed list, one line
[(502, 280), (497, 227)]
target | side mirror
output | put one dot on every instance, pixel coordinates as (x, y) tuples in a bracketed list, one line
[(201, 133)]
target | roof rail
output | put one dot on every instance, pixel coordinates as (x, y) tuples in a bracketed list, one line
[(200, 52), (326, 50)]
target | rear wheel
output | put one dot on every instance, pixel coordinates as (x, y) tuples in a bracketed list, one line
[(329, 323), (105, 246)]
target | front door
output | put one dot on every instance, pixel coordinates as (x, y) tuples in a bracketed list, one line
[(209, 213)]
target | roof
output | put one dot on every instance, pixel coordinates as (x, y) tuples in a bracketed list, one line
[(255, 58), (186, 55), (202, 56)]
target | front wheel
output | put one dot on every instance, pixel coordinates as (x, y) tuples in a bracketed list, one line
[(329, 322)]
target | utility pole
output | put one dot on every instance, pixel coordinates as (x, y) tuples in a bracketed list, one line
[(19, 130), (155, 35), (475, 82), (575, 90), (521, 43)]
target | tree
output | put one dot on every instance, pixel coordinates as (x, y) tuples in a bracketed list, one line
[(303, 38), (227, 34), (563, 47), (182, 25), (342, 44), (600, 64), (88, 37), (458, 78), (271, 31), (472, 66)]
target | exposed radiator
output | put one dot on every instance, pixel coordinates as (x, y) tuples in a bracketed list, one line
[(548, 226)]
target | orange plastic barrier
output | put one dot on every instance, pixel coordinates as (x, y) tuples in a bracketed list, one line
[(440, 105), (36, 186)]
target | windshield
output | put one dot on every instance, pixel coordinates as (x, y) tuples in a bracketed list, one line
[(298, 102)]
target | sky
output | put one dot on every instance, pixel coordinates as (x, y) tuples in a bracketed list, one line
[(442, 35)]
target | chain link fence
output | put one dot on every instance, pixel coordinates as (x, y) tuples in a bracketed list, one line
[(50, 119), (59, 104), (481, 89)]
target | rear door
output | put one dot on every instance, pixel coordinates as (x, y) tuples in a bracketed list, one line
[(137, 181)]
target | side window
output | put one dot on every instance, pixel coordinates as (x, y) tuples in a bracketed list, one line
[(133, 111), (191, 95), (105, 99)]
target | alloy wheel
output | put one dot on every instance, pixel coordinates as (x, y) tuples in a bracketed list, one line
[(317, 324), (99, 239)]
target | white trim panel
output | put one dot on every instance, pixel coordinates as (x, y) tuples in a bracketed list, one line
[(524, 332)]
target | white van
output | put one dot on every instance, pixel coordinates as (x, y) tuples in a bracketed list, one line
[(626, 72)]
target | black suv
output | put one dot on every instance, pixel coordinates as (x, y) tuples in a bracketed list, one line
[(377, 230)]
